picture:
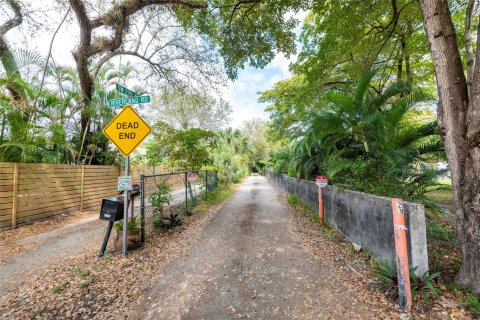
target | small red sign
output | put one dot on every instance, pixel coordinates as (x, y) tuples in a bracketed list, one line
[(191, 176), (321, 181)]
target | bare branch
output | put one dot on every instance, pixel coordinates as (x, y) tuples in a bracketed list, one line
[(15, 21)]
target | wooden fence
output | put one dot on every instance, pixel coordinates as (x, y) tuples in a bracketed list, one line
[(31, 192)]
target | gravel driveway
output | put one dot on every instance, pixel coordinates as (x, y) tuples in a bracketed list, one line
[(248, 265)]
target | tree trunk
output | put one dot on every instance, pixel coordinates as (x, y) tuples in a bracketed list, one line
[(459, 121), (81, 56), (468, 44), (19, 119)]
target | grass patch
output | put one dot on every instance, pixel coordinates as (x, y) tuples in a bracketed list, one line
[(474, 305), (305, 210), (441, 231), (82, 273), (56, 289), (222, 193), (86, 277), (302, 208)]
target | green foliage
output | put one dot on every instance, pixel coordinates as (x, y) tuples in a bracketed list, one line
[(379, 33), (185, 108), (184, 149), (386, 274), (232, 156), (41, 126), (56, 289), (161, 197), (258, 29), (304, 209), (222, 193), (280, 160), (170, 221), (299, 206), (255, 131), (329, 231), (133, 223), (441, 231), (424, 284), (474, 305), (369, 141)]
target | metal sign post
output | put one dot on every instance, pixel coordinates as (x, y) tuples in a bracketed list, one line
[(125, 209), (127, 130)]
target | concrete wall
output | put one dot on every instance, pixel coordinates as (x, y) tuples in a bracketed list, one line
[(363, 218)]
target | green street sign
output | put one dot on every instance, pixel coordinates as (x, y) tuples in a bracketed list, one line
[(124, 101), (125, 90)]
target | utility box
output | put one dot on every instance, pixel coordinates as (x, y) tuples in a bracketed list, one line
[(112, 209)]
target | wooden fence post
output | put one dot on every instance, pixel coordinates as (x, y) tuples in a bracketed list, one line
[(82, 183), (14, 200)]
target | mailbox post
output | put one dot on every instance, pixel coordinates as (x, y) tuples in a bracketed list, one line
[(112, 210)]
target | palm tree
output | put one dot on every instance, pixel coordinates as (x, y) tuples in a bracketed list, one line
[(232, 156), (364, 141)]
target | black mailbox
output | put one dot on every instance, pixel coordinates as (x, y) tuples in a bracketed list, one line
[(112, 209)]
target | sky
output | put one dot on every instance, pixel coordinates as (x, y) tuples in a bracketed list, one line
[(242, 94)]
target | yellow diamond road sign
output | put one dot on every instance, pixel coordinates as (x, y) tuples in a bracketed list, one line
[(127, 130)]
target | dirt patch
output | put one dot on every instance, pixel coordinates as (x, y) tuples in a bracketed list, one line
[(354, 270), (10, 240), (85, 286)]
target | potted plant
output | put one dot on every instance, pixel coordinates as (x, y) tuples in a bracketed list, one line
[(134, 240)]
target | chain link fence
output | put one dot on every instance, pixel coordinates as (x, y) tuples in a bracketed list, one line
[(165, 199)]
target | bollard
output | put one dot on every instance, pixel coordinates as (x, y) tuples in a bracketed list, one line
[(401, 253)]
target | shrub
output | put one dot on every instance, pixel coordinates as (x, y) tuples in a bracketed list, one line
[(172, 220), (133, 223), (441, 231), (160, 198), (424, 284), (386, 273)]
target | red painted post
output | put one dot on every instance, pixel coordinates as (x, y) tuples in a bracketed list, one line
[(401, 253)]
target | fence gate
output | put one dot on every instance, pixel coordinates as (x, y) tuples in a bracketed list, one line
[(165, 199)]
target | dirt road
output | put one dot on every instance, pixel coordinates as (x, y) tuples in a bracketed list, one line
[(247, 265)]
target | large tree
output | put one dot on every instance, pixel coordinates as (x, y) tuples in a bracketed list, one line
[(238, 29), (459, 117), (186, 108)]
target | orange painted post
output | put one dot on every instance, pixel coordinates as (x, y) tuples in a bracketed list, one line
[(321, 208), (321, 182), (401, 253)]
